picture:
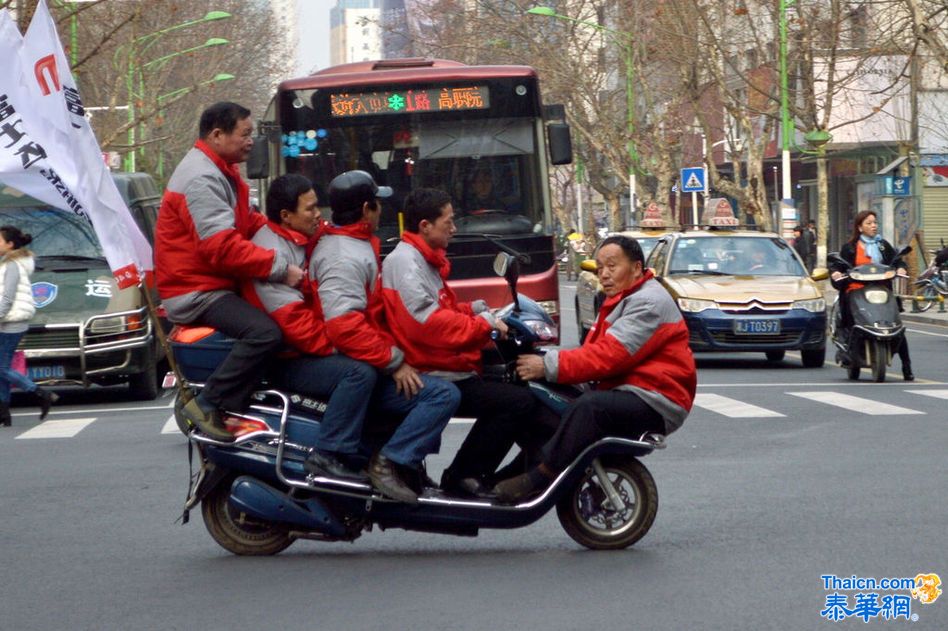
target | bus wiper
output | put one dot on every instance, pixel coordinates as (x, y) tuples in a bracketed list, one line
[(503, 247), (70, 257)]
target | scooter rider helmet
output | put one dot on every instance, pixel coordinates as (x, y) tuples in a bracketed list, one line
[(350, 190)]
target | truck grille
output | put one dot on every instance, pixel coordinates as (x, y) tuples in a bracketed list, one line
[(50, 338)]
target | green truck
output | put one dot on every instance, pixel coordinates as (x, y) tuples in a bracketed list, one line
[(86, 331)]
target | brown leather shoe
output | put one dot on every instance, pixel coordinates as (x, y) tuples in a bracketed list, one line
[(208, 423), (386, 479)]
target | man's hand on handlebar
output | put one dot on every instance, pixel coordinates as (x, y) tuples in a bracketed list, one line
[(901, 272), (407, 381), (530, 367), (502, 329), (836, 275), (294, 274)]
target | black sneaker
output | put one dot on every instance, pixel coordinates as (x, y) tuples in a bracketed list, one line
[(323, 463)]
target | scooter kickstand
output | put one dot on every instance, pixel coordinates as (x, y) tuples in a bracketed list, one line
[(606, 484)]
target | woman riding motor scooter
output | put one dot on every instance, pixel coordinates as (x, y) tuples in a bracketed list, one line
[(867, 246)]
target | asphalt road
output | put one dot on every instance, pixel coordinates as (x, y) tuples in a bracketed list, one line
[(769, 485)]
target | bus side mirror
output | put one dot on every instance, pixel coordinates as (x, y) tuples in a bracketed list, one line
[(561, 144), (258, 163)]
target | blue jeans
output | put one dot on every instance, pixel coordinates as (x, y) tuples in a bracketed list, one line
[(347, 384), (8, 376), (428, 413)]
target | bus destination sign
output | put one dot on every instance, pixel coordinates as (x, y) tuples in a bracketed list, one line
[(409, 101)]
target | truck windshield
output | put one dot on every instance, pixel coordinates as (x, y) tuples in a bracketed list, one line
[(55, 232)]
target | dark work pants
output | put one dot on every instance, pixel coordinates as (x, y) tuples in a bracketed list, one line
[(505, 414), (256, 338), (595, 415)]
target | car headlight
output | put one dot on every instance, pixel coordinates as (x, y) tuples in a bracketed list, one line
[(693, 305), (545, 332), (815, 305), (877, 296)]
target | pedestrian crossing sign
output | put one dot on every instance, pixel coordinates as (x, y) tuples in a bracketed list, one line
[(692, 180)]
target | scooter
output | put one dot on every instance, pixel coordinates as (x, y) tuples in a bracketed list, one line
[(877, 330), (256, 498), (933, 282)]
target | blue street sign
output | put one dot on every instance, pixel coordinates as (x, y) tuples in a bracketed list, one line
[(692, 180), (901, 185)]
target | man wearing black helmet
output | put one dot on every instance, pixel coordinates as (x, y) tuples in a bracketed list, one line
[(346, 267)]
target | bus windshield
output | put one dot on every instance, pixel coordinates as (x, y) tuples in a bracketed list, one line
[(491, 163)]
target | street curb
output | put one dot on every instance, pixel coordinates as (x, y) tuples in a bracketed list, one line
[(922, 318)]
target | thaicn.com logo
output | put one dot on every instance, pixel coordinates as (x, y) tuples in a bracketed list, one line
[(878, 598)]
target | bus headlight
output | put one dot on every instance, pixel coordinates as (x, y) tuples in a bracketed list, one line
[(877, 296), (693, 305), (816, 305)]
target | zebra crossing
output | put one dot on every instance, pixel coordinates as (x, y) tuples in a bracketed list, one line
[(710, 405)]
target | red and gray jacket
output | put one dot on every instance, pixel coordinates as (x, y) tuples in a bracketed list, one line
[(296, 311), (345, 265), (639, 343), (438, 334), (202, 236)]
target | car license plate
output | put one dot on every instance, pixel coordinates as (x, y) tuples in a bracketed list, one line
[(46, 372), (757, 327)]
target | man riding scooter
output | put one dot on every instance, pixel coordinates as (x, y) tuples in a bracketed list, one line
[(637, 354)]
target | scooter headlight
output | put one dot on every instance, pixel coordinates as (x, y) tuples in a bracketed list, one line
[(816, 305), (877, 296), (544, 332)]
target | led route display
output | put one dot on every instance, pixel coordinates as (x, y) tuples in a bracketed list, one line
[(407, 101)]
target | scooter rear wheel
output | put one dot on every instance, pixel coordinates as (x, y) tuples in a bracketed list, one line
[(588, 516), (235, 531)]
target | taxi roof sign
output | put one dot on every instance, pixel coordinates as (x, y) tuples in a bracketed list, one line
[(718, 212), (652, 217)]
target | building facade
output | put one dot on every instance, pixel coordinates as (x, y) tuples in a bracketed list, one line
[(354, 31)]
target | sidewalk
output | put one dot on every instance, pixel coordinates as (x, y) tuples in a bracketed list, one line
[(933, 316)]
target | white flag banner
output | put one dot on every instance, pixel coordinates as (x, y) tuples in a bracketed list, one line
[(59, 140)]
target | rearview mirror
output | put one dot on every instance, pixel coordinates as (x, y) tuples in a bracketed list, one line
[(561, 144), (258, 162), (820, 273), (502, 263)]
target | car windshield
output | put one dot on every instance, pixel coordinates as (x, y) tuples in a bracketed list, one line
[(757, 256), (55, 233)]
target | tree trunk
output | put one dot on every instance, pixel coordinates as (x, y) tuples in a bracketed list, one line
[(822, 222), (615, 212)]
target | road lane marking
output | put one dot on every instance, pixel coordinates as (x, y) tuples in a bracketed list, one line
[(817, 384), (170, 426), (60, 428), (733, 407), (854, 404), (938, 394)]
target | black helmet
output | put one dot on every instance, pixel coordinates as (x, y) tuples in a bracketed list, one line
[(351, 189)]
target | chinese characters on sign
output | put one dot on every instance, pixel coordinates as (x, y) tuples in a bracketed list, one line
[(434, 100), (870, 600)]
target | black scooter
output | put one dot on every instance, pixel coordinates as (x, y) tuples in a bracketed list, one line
[(256, 498), (877, 330)]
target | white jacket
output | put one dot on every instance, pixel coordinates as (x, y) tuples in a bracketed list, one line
[(23, 307)]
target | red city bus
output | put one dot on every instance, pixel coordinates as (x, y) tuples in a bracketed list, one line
[(477, 132)]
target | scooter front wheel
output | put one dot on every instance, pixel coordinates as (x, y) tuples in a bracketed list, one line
[(878, 357), (926, 297), (235, 531), (589, 516)]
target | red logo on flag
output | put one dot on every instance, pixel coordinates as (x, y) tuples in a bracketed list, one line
[(47, 63)]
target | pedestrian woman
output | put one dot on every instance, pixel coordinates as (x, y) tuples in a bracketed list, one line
[(16, 309), (865, 246)]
